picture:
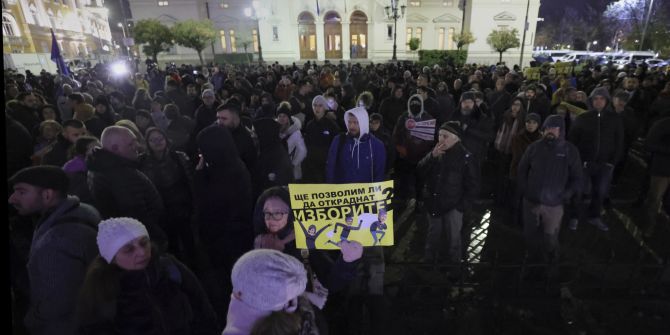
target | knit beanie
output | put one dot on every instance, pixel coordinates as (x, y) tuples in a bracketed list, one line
[(601, 91), (321, 100), (553, 121), (469, 95), (453, 127), (44, 176), (114, 233), (535, 117), (376, 116), (267, 279)]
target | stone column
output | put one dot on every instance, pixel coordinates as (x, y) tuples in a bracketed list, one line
[(320, 40), (346, 41)]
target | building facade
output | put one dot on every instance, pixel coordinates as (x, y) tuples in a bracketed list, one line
[(356, 30), (81, 27)]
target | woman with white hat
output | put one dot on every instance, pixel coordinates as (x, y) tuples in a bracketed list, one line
[(132, 289)]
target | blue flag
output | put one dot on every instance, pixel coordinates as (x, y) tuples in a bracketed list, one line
[(57, 57)]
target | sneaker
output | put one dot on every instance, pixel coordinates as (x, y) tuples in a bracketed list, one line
[(599, 224), (572, 224)]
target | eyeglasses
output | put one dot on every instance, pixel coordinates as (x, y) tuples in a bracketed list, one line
[(274, 215)]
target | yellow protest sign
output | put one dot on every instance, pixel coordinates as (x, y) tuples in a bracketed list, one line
[(532, 73), (326, 214), (563, 68)]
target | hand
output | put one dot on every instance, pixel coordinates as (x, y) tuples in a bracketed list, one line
[(351, 251), (439, 149)]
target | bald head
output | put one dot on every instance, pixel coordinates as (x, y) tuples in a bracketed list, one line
[(120, 141)]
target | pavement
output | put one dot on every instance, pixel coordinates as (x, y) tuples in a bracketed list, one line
[(615, 282)]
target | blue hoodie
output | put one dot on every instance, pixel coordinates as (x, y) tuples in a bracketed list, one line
[(361, 159)]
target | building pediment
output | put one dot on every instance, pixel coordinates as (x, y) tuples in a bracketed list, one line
[(505, 16), (446, 18), (414, 17)]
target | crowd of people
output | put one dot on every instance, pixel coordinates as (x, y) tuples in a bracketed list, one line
[(157, 203)]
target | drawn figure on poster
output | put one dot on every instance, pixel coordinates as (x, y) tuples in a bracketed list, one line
[(378, 227), (311, 234), (346, 228)]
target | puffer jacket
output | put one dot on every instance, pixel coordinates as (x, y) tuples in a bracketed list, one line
[(297, 151), (64, 243), (120, 189), (452, 181)]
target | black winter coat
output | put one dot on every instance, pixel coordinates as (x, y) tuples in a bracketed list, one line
[(120, 189), (658, 144), (173, 178), (318, 136), (599, 136), (165, 298), (391, 109), (452, 181), (478, 131), (58, 154), (274, 166), (223, 189)]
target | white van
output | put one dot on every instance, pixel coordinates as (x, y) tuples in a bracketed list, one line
[(578, 56), (637, 57)]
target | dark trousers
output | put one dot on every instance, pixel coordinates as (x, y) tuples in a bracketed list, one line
[(407, 183), (597, 179)]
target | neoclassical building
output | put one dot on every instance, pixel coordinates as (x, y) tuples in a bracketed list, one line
[(81, 27), (361, 30)]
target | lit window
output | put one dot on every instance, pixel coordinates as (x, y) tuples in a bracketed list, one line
[(223, 5), (222, 34), (415, 3), (450, 38), (162, 3), (255, 38), (233, 41), (419, 33), (9, 27), (409, 36), (440, 39)]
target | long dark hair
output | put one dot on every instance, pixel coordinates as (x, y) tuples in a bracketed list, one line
[(100, 289)]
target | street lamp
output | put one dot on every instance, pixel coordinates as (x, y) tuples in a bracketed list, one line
[(123, 29), (392, 13), (252, 13)]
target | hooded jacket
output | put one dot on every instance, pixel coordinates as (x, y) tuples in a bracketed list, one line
[(64, 243), (599, 136), (295, 145), (120, 189), (412, 141), (273, 167), (550, 171), (319, 134), (391, 108), (223, 187), (360, 159)]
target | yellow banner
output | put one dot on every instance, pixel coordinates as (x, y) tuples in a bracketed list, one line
[(326, 214), (563, 68), (532, 73)]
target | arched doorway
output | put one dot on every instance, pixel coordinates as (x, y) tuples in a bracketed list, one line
[(359, 35), (307, 36), (333, 35)]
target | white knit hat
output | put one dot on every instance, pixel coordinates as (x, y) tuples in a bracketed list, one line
[(267, 279), (114, 233)]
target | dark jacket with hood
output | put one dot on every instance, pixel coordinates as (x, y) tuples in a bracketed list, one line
[(333, 272), (64, 243), (550, 171), (319, 134), (391, 108), (223, 190), (385, 136), (273, 167), (452, 180), (599, 136), (57, 156), (119, 189), (477, 131), (165, 298), (360, 159), (658, 144), (411, 141)]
